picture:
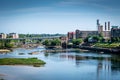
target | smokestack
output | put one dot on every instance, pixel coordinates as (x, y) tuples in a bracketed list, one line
[(105, 26), (108, 25), (98, 22), (98, 25)]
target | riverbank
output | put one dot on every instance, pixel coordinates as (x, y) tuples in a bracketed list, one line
[(64, 50), (101, 50), (86, 49), (22, 61), (4, 50)]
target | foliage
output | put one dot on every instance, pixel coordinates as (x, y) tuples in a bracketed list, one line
[(46, 42), (29, 35), (7, 43), (115, 39), (107, 45), (20, 61), (95, 38), (54, 42), (39, 35), (77, 41), (86, 39)]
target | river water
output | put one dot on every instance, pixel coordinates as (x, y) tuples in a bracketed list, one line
[(61, 66)]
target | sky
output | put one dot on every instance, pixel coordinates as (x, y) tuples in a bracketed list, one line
[(56, 16)]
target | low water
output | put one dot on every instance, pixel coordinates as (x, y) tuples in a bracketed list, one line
[(61, 66)]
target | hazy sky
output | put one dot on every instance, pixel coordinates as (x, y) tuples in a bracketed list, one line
[(56, 16)]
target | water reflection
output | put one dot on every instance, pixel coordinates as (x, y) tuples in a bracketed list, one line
[(69, 65), (104, 65), (21, 53)]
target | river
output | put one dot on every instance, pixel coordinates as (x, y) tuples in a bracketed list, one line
[(61, 66)]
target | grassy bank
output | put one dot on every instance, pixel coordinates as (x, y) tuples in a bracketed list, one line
[(107, 45), (4, 50), (21, 61)]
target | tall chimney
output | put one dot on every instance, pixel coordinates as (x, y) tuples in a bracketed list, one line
[(98, 22), (108, 25), (98, 25), (105, 26)]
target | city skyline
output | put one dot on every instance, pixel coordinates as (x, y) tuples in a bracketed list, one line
[(56, 16)]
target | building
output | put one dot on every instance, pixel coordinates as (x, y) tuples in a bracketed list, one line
[(3, 36), (84, 34), (63, 39), (100, 30), (115, 32), (13, 35), (71, 35)]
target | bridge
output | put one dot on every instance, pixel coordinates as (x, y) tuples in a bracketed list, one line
[(33, 38)]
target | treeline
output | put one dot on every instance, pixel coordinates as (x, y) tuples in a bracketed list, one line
[(29, 35), (39, 35), (58, 42), (115, 39), (7, 43), (45, 35), (54, 42)]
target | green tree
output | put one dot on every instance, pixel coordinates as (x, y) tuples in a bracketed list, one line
[(101, 35), (2, 44), (55, 42), (10, 43), (96, 38), (21, 35), (46, 43), (86, 39), (7, 43), (77, 41)]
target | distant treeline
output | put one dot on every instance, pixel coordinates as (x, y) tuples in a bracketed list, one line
[(39, 35)]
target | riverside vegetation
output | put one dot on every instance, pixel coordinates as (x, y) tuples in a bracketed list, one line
[(22, 61)]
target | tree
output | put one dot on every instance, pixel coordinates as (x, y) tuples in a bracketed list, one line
[(77, 41), (9, 43), (55, 42), (96, 38), (101, 35), (46, 42), (2, 44), (86, 39)]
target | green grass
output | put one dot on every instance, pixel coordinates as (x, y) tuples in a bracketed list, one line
[(21, 61), (107, 45)]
